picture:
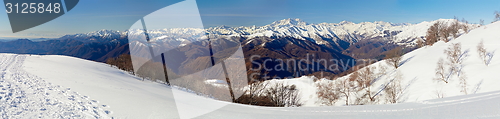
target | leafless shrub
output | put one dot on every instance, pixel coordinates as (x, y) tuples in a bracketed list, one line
[(481, 51), (393, 57), (381, 70), (433, 34), (440, 31), (255, 91), (328, 92), (393, 89), (497, 16), (365, 80), (441, 71), (453, 28), (346, 88), (439, 94), (463, 82), (283, 95), (420, 43), (454, 56), (444, 32), (350, 86), (122, 62), (465, 27), (483, 54)]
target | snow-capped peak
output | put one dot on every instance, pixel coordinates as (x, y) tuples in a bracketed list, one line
[(322, 33), (345, 22), (289, 22)]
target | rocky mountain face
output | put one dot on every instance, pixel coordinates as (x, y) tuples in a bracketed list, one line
[(329, 48)]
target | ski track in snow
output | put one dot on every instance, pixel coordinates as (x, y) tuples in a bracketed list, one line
[(23, 95)]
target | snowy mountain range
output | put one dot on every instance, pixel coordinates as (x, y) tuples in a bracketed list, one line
[(283, 39), (322, 33), (78, 88), (340, 37)]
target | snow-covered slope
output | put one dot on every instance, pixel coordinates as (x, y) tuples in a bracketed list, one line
[(24, 95), (419, 66), (115, 89), (66, 87), (418, 70)]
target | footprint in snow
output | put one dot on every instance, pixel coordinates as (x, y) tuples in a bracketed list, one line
[(107, 112)]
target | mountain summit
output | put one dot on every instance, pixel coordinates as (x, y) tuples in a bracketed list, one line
[(289, 22)]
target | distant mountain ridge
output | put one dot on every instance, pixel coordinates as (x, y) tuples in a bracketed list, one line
[(284, 39), (322, 33)]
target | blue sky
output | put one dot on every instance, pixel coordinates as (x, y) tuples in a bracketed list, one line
[(92, 15)]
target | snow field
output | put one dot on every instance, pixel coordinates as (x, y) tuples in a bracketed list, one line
[(24, 95), (418, 70)]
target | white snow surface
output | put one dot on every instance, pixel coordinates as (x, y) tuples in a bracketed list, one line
[(418, 69), (66, 87), (52, 86), (24, 95)]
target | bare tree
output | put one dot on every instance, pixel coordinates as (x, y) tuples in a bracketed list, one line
[(444, 33), (255, 90), (381, 70), (465, 27), (440, 31), (327, 92), (256, 94), (393, 57), (365, 80), (347, 87), (441, 71), (439, 94), (484, 54), (284, 95), (481, 22), (122, 62), (453, 28), (433, 34), (463, 82), (393, 89), (420, 43), (454, 56)]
